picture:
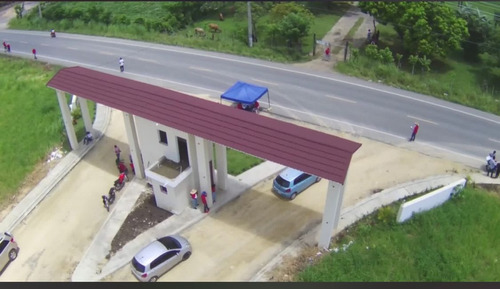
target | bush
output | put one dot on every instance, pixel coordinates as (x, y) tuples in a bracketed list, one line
[(386, 55), (371, 51)]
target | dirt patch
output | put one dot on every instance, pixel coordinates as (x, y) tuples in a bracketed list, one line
[(144, 216)]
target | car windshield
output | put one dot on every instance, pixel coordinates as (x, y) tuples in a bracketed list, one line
[(138, 266), (170, 243), (282, 182)]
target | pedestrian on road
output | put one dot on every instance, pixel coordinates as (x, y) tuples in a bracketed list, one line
[(194, 198), (204, 201), (34, 53), (4, 46), (8, 47), (122, 64), (414, 132), (117, 153)]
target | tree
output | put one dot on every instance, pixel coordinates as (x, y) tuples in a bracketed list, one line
[(19, 10), (425, 63), (291, 21), (426, 28), (479, 31), (413, 59), (259, 9), (398, 58)]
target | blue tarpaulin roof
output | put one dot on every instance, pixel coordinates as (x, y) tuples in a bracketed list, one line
[(244, 92)]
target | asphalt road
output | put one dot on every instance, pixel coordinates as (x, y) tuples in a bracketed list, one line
[(329, 99)]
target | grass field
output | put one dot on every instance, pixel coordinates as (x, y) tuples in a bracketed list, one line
[(30, 120), (456, 242)]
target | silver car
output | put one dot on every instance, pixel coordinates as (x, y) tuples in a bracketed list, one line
[(8, 250), (159, 257)]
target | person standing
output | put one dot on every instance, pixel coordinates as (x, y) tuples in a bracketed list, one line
[(4, 46), (204, 201), (122, 64), (414, 132), (492, 167), (194, 198), (117, 153), (8, 47), (34, 53), (369, 36), (327, 53)]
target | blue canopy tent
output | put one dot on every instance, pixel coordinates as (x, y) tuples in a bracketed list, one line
[(245, 93)]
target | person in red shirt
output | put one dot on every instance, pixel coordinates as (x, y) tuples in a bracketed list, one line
[(327, 53), (34, 53), (414, 132), (204, 201), (4, 46)]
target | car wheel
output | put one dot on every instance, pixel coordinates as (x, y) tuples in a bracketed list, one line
[(153, 279), (186, 256), (293, 196), (13, 254), (318, 179)]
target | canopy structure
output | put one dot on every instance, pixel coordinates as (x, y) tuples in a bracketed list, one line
[(245, 93)]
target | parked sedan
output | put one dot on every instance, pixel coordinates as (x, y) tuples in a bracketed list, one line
[(291, 182), (8, 250), (159, 257)]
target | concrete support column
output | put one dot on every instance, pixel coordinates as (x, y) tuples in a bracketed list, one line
[(87, 120), (221, 160), (331, 213), (68, 122), (133, 143), (193, 160), (203, 155)]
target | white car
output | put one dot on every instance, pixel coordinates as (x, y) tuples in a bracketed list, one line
[(8, 250), (159, 257)]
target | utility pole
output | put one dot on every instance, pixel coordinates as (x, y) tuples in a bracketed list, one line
[(40, 9), (249, 11)]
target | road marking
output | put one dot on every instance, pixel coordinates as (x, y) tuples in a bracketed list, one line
[(266, 82), (105, 53), (72, 48), (494, 140), (421, 119), (340, 98), (146, 60), (200, 68)]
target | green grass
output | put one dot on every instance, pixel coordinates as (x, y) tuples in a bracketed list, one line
[(452, 243), (30, 120), (238, 162)]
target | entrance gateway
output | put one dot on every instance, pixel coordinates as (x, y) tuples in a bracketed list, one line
[(203, 123)]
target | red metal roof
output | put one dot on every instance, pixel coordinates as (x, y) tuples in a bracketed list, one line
[(308, 150)]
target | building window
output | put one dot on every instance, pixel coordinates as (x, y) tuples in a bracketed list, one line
[(163, 189), (163, 137)]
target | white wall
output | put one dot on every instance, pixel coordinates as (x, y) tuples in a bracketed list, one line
[(428, 201), (149, 141), (177, 196)]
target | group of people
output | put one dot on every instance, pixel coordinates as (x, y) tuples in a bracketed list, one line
[(6, 47), (492, 166), (194, 199)]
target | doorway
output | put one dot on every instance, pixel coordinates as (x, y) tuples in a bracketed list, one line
[(183, 153)]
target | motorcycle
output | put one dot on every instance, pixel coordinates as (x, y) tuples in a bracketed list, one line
[(52, 34), (109, 199), (120, 182)]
